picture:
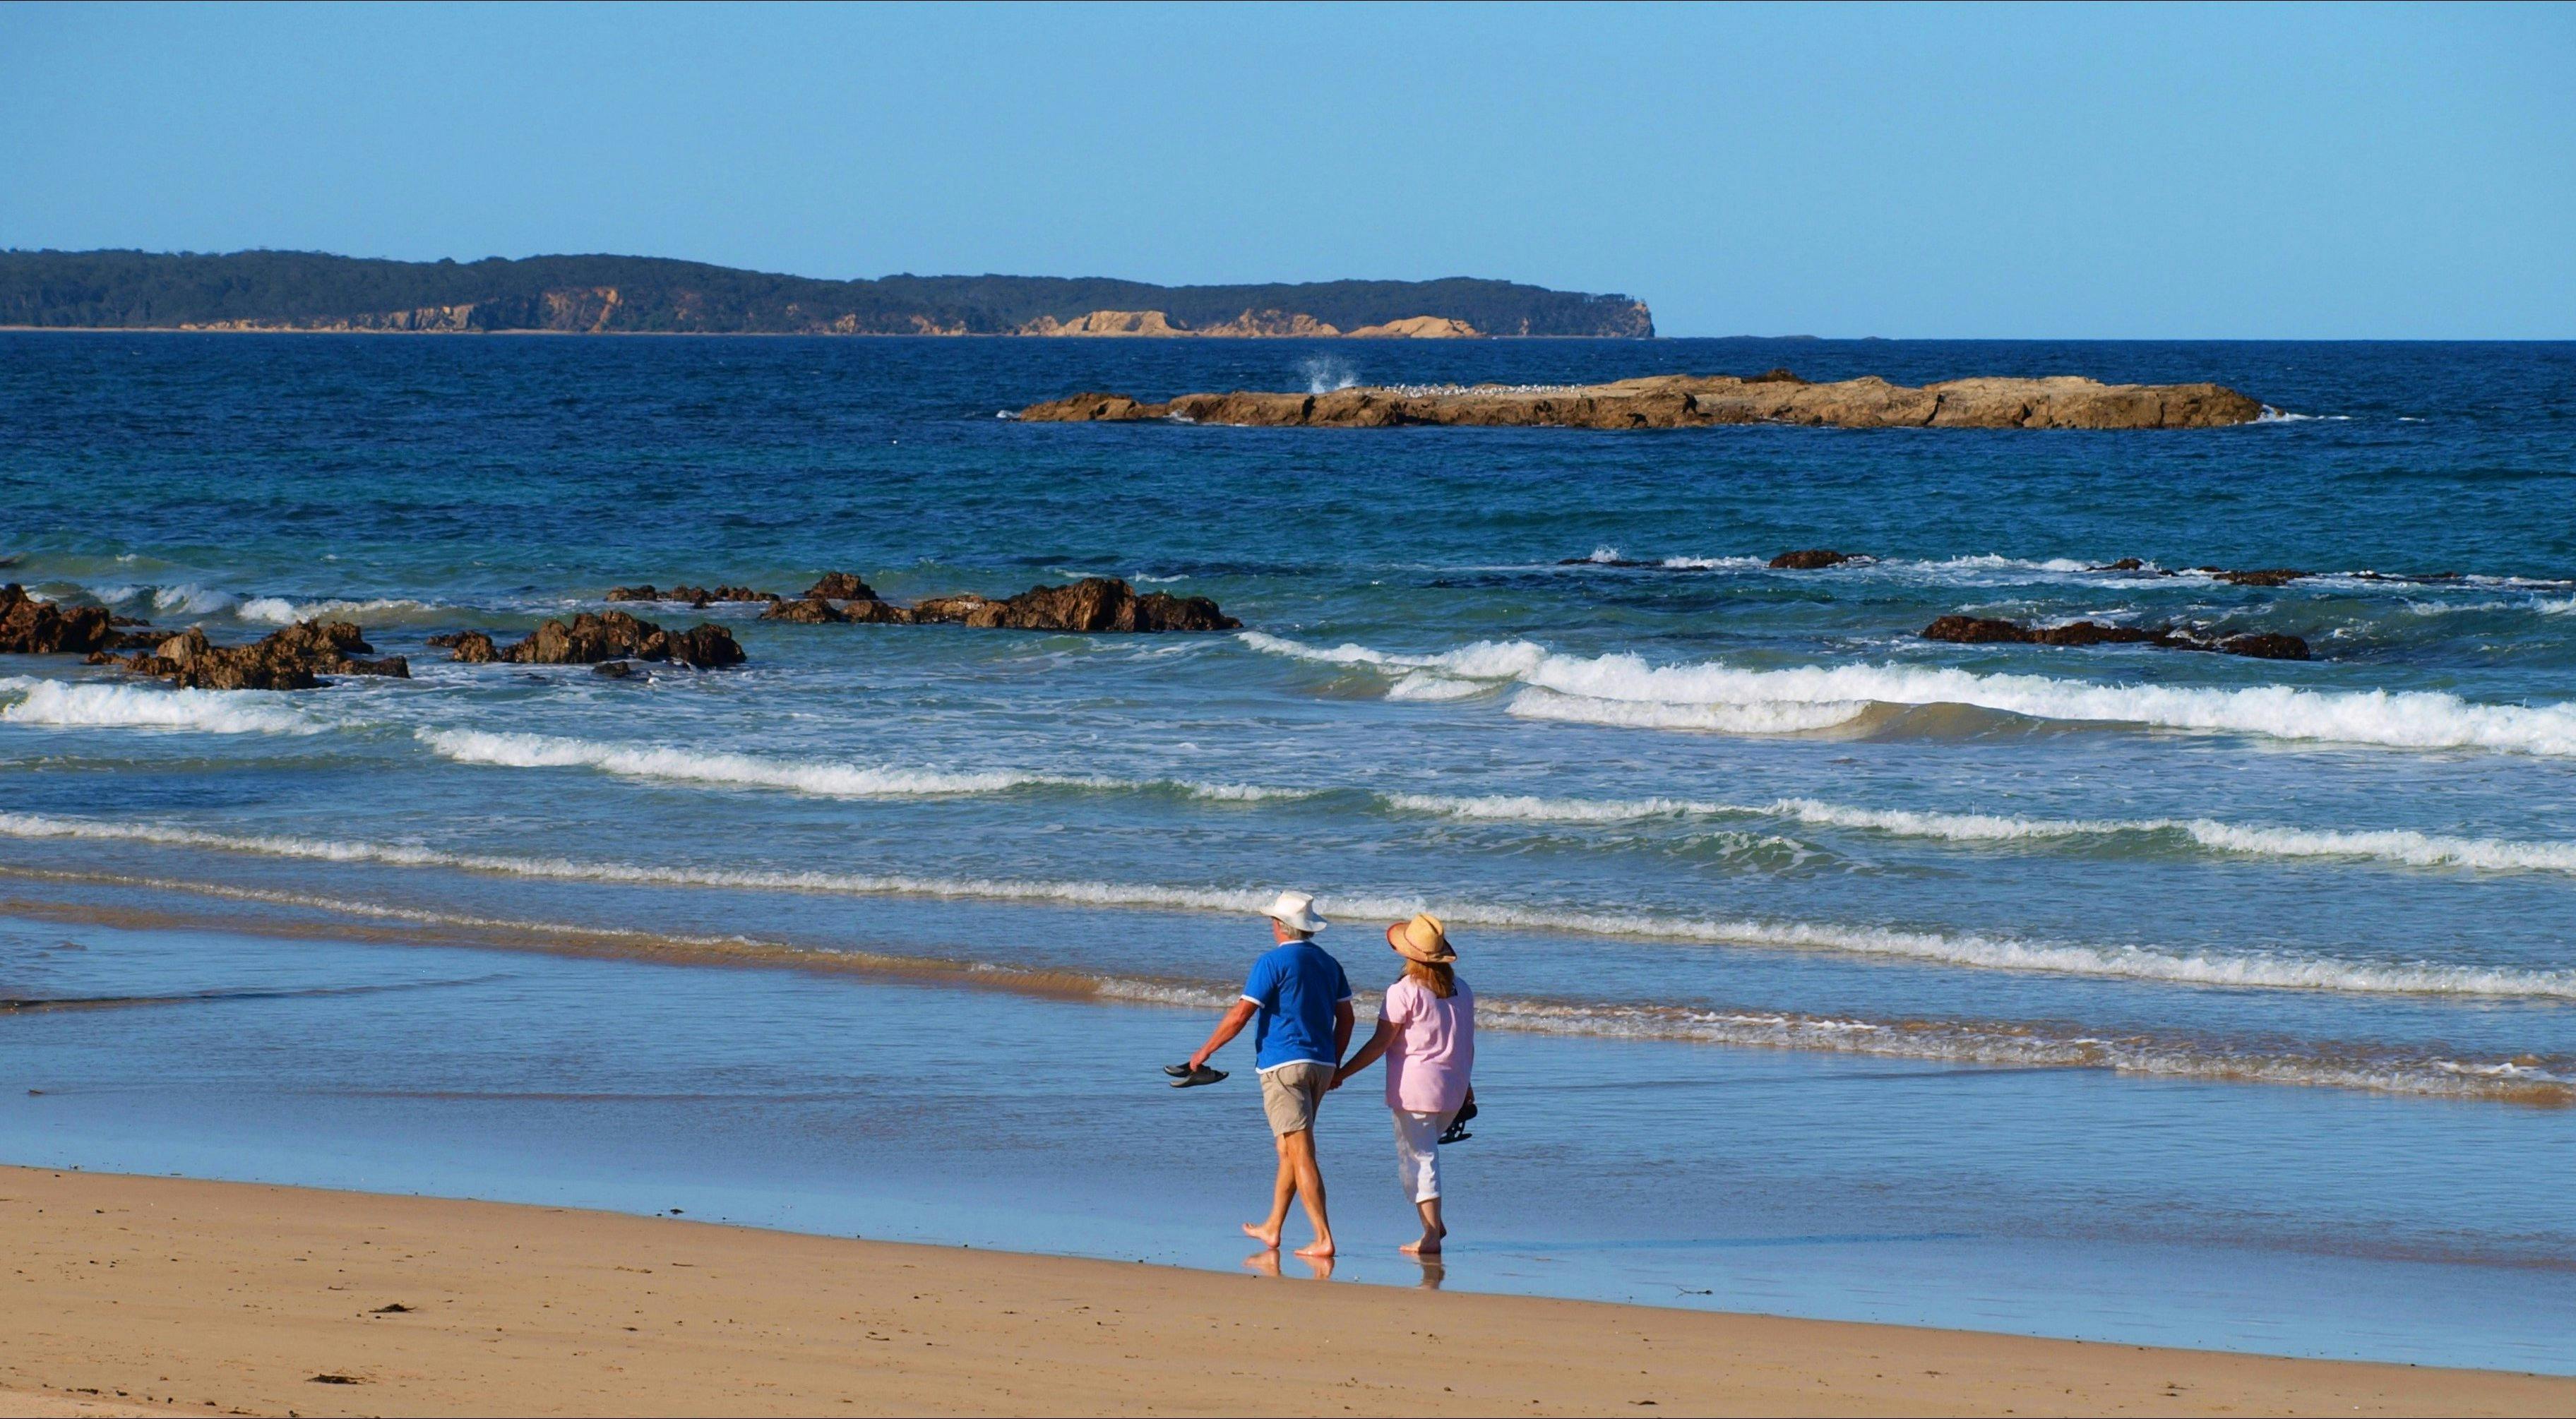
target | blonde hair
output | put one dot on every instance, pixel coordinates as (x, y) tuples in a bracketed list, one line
[(1439, 976)]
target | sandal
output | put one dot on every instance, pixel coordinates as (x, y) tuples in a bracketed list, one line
[(1184, 1077)]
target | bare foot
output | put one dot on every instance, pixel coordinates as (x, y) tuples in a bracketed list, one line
[(1428, 1246), (1267, 1236), (1315, 1250), (1265, 1263)]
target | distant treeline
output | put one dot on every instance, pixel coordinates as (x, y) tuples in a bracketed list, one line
[(311, 290)]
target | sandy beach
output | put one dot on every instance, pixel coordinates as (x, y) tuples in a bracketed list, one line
[(131, 1294)]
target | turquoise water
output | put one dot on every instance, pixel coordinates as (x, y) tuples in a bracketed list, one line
[(2240, 990)]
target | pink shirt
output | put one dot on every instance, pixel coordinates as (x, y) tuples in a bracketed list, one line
[(1434, 1047)]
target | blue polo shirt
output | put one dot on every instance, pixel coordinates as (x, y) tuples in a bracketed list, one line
[(1296, 985)]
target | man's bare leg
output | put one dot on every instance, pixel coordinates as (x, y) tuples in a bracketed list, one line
[(1298, 1150), (1282, 1189), (1433, 1229)]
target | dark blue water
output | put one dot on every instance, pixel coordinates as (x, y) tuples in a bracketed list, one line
[(1694, 806)]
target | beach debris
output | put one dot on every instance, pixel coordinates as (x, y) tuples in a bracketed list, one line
[(1697, 401), (332, 1378), (1810, 559), (292, 658), (1983, 630), (396, 1309)]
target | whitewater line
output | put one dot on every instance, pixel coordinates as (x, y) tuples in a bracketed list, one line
[(2261, 970), (1623, 688), (1954, 1042)]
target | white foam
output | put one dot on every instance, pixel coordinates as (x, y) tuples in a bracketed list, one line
[(2402, 846), (61, 704), (1760, 717), (824, 778), (192, 600), (278, 611), (1326, 373), (2011, 1044), (2264, 970), (2414, 719), (2557, 608)]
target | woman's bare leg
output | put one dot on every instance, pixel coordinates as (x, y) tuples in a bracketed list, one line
[(1432, 1229)]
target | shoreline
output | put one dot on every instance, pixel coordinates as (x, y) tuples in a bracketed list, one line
[(163, 1293)]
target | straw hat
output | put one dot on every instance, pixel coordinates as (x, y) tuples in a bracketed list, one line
[(1422, 939), (1296, 911)]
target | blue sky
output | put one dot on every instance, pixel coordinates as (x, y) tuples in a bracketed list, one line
[(2105, 171)]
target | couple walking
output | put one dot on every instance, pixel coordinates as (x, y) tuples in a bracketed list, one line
[(1298, 1001)]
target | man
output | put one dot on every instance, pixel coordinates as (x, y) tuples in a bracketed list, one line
[(1303, 1004)]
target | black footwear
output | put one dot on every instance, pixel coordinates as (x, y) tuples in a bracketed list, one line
[(1457, 1132), (1184, 1077)]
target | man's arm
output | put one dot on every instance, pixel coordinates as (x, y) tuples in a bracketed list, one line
[(1232, 1025), (1342, 1018), (1369, 1052)]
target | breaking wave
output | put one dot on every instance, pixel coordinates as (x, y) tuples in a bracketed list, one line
[(2401, 846), (63, 704), (278, 611), (819, 777), (2251, 969), (2525, 1079), (1624, 688)]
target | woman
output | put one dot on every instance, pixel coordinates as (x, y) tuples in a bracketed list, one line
[(1426, 1028)]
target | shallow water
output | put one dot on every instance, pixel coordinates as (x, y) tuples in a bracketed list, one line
[(1695, 821)]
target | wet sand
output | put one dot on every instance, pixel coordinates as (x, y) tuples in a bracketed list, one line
[(130, 1294)]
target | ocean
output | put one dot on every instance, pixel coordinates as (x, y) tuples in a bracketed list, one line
[(2124, 992)]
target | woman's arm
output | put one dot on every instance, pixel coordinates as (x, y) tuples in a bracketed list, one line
[(1369, 1052)]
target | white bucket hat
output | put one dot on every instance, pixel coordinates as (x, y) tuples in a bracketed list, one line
[(1296, 911)]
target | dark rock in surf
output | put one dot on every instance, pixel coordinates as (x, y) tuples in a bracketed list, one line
[(32, 627), (614, 669), (2265, 646), (841, 586), (1985, 630), (1093, 605), (1810, 559), (470, 647), (2270, 576), (293, 658), (815, 611), (592, 637), (697, 597)]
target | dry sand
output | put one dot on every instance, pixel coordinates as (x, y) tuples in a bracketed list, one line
[(145, 1295)]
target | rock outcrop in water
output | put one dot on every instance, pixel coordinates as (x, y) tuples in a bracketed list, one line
[(1695, 401), (593, 637), (293, 658), (470, 647), (1981, 630), (32, 627), (1096, 605), (842, 586), (698, 597), (1809, 560)]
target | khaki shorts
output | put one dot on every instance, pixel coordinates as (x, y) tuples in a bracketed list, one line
[(1290, 1093)]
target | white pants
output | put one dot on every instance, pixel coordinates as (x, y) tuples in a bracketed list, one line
[(1417, 1152)]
